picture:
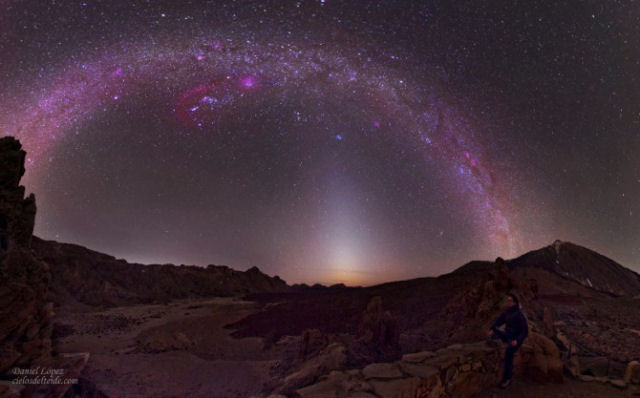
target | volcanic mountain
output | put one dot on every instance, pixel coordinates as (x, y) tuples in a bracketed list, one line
[(584, 266), (571, 262)]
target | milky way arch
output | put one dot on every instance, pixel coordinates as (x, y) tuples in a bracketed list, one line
[(206, 80)]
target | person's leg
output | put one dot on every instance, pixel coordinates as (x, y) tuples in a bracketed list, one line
[(508, 362)]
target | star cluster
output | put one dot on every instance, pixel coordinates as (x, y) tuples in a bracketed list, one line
[(324, 141)]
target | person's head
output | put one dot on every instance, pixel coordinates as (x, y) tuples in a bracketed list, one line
[(512, 300)]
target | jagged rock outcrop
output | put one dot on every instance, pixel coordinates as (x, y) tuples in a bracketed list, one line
[(25, 316), (17, 213), (378, 337), (312, 342)]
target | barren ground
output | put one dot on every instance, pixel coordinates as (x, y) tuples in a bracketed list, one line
[(522, 388), (132, 353), (212, 365)]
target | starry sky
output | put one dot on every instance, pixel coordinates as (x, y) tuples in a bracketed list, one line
[(327, 141)]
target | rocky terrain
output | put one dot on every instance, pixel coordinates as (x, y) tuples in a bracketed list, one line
[(85, 277), (39, 278), (116, 329), (588, 331)]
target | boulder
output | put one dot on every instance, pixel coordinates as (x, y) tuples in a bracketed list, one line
[(161, 341), (468, 384), (632, 373), (417, 357), (323, 389), (618, 383), (333, 357), (419, 370), (334, 385), (594, 366), (540, 359), (312, 342), (573, 366), (398, 388), (382, 371)]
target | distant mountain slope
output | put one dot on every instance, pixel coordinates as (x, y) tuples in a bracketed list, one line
[(457, 306), (584, 266), (89, 277)]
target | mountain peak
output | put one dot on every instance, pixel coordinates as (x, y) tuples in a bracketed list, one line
[(585, 266), (557, 244)]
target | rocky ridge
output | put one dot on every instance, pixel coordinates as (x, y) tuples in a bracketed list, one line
[(85, 277)]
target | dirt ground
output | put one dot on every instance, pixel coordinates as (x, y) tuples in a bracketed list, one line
[(210, 364), (570, 388), (132, 354)]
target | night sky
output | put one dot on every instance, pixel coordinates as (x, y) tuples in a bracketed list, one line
[(327, 141)]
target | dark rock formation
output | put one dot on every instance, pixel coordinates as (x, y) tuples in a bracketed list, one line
[(312, 342), (333, 357), (468, 314), (632, 373), (159, 340), (83, 276), (17, 213), (539, 359), (378, 337), (25, 317)]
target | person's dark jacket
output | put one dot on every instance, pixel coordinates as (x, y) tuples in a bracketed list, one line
[(516, 327)]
